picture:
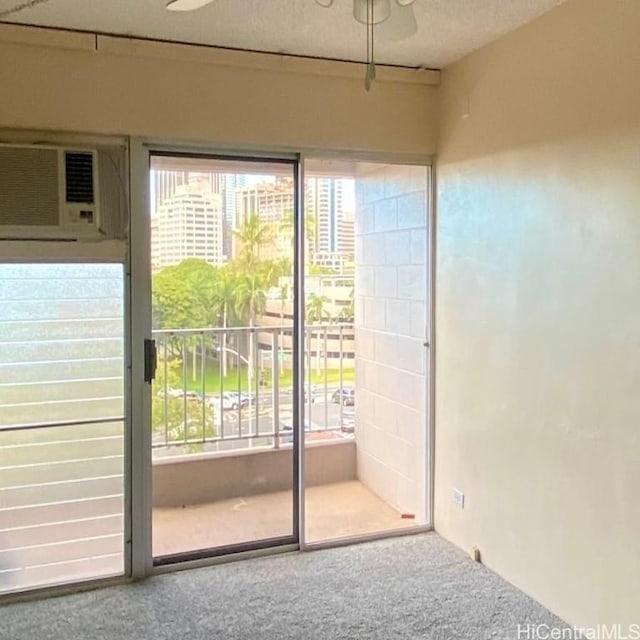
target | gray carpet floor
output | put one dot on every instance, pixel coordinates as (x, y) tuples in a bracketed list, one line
[(409, 587)]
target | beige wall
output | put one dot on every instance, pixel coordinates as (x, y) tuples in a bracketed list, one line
[(189, 93), (538, 309)]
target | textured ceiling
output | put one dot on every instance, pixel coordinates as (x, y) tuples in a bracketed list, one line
[(447, 29)]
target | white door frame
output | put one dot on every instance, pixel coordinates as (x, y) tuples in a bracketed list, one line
[(141, 560)]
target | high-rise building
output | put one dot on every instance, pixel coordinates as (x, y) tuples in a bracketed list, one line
[(165, 183), (273, 203), (329, 203), (269, 200), (188, 224), (345, 240), (230, 183)]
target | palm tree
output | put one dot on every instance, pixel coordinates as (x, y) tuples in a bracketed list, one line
[(252, 235), (253, 275), (284, 266), (315, 307), (284, 296), (268, 272), (224, 298), (250, 301), (347, 312), (315, 313), (287, 223), (249, 296)]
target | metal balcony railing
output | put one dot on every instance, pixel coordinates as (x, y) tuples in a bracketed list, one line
[(229, 389)]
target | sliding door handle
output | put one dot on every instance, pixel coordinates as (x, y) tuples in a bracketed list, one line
[(150, 360)]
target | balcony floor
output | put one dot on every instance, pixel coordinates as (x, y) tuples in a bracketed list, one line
[(337, 510)]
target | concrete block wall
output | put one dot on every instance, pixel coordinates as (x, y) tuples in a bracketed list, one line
[(390, 331)]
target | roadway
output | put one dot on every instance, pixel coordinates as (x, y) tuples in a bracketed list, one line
[(320, 415)]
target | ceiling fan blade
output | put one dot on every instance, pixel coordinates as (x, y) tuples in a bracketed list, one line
[(401, 24), (405, 3), (324, 3), (186, 5)]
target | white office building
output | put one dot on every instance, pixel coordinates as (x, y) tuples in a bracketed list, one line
[(188, 225)]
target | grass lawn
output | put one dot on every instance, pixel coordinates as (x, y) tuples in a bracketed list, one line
[(230, 381)]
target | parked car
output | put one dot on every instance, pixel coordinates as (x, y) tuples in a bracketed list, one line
[(230, 400), (345, 396), (286, 431), (248, 398), (242, 399), (309, 393), (180, 393)]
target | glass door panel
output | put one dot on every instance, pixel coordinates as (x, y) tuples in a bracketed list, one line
[(61, 423), (222, 254), (366, 362)]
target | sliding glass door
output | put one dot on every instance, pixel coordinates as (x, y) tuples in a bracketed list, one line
[(223, 309), (250, 374)]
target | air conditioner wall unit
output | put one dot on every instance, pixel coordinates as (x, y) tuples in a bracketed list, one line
[(49, 193)]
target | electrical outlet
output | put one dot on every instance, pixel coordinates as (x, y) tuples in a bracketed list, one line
[(458, 498)]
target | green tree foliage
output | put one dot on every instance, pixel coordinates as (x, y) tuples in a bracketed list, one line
[(318, 270), (250, 297), (347, 312), (223, 299), (168, 412), (251, 237), (197, 295), (284, 266), (316, 307), (183, 296), (287, 223)]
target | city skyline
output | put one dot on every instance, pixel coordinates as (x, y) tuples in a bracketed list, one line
[(194, 214)]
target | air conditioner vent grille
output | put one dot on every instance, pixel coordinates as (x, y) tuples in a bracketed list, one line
[(79, 177), (28, 187)]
